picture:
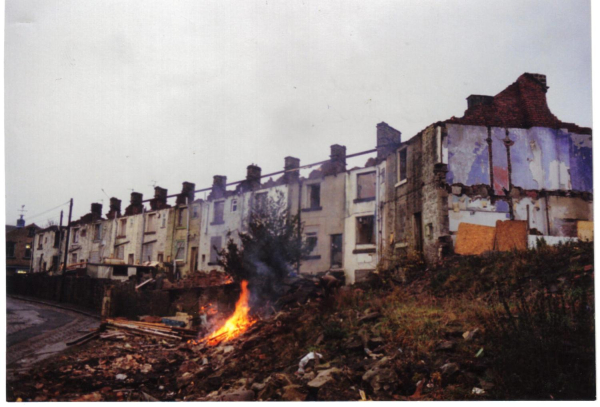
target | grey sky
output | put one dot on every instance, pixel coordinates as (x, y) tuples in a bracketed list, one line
[(118, 94)]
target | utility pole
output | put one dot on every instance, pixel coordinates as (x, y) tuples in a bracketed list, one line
[(68, 236), (60, 237), (64, 273)]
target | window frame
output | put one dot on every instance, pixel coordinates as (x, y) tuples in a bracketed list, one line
[(360, 198), (399, 173), (358, 241)]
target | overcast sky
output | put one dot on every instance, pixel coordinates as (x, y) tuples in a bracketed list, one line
[(120, 95)]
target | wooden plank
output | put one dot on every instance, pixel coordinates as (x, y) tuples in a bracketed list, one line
[(474, 239)]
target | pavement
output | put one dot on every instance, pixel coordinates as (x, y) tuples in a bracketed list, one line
[(37, 330)]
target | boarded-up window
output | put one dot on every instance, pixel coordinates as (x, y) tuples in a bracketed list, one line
[(147, 251), (215, 248), (120, 252), (365, 185), (95, 257), (365, 230), (218, 212), (314, 194), (151, 223), (260, 202), (179, 250), (402, 165)]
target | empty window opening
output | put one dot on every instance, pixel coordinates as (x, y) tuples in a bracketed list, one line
[(365, 230), (314, 194), (234, 205), (402, 165), (215, 248), (123, 228), (120, 271)]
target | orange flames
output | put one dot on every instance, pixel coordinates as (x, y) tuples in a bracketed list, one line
[(238, 323)]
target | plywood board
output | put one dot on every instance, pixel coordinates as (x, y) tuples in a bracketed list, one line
[(585, 230), (474, 239), (511, 235)]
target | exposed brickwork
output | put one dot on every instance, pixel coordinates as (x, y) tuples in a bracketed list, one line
[(521, 105)]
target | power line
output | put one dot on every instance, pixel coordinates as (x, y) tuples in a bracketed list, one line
[(49, 210)]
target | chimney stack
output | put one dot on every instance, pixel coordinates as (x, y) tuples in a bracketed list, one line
[(476, 100), (218, 187), (187, 194), (253, 173), (290, 176), (160, 199), (541, 79), (338, 154), (115, 208), (96, 210), (388, 139), (135, 204)]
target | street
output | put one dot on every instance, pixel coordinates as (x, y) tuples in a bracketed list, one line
[(36, 331)]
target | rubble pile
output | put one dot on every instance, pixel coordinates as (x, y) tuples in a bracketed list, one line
[(312, 348), (378, 340)]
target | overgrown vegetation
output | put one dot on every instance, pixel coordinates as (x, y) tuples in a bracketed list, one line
[(269, 249)]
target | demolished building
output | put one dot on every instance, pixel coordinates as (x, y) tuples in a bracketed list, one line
[(507, 158), (449, 189)]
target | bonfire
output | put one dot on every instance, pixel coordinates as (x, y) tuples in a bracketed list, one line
[(237, 324)]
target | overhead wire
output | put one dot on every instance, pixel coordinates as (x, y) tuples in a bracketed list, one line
[(49, 210)]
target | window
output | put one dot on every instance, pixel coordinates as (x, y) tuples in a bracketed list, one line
[(402, 165), (31, 232), (195, 211), (83, 232), (121, 271), (365, 230), (73, 258), (164, 221), (151, 223), (311, 241), (234, 205), (180, 250), (27, 251), (260, 202), (122, 228), (215, 248), (147, 250), (120, 252), (314, 196), (218, 212), (10, 249), (365, 186), (55, 263), (56, 238), (40, 241), (130, 259), (181, 217), (159, 257), (98, 231), (95, 257)]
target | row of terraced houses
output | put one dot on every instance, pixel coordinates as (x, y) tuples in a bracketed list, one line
[(508, 158)]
